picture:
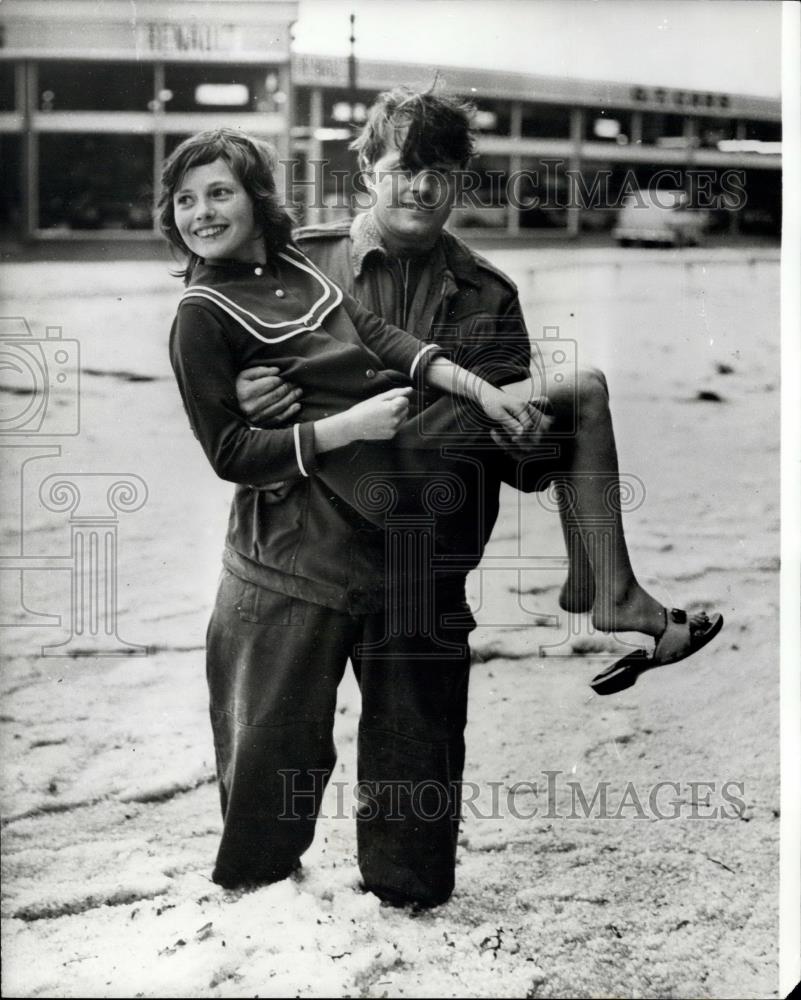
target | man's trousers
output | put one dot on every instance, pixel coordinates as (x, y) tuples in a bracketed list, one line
[(273, 665)]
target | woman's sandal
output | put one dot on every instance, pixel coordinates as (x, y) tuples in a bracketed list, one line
[(682, 637)]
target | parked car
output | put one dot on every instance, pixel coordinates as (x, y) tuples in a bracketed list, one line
[(659, 218)]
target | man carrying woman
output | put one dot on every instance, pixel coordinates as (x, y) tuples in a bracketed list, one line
[(308, 572)]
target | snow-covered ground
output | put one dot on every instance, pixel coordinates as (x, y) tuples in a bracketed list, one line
[(109, 807)]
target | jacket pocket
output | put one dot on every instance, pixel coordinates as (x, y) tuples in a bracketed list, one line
[(267, 607)]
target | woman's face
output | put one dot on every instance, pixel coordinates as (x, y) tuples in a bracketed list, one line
[(214, 215)]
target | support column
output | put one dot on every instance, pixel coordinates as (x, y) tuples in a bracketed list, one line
[(690, 133), (635, 138), (30, 154), (159, 144), (515, 167), (314, 161), (284, 142), (576, 139)]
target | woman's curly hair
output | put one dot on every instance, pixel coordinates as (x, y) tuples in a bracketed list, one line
[(252, 161)]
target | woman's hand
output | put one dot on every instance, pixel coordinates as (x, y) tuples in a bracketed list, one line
[(379, 417), (374, 419), (512, 414)]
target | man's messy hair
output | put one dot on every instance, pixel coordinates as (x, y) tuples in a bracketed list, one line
[(428, 128), (252, 161)]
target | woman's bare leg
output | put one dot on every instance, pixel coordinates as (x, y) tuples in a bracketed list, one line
[(578, 591), (590, 491)]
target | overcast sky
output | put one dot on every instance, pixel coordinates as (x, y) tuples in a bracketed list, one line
[(730, 45)]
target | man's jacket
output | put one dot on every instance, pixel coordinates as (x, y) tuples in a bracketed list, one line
[(301, 540)]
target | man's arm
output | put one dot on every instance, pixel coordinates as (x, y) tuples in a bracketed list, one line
[(494, 347), (395, 347), (502, 350), (497, 348)]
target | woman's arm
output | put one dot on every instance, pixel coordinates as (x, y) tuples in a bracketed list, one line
[(205, 364), (498, 405), (375, 419), (395, 347), (399, 349), (204, 360)]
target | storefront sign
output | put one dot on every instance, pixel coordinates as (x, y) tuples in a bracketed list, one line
[(329, 71), (169, 38), (680, 99), (236, 31)]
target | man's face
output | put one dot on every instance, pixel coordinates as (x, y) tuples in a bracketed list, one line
[(410, 206)]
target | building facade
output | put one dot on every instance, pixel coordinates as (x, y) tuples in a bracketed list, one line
[(558, 156), (93, 96), (92, 99)]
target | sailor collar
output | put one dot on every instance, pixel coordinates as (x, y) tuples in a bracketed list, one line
[(297, 300)]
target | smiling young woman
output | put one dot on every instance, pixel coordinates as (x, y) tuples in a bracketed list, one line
[(253, 301), (214, 215)]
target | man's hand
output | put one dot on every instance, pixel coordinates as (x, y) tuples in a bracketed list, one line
[(265, 398), (539, 422), (511, 414)]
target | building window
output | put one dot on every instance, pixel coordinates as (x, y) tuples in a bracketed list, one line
[(659, 180), (11, 202), (711, 131), (92, 182), (762, 213), (612, 125), (172, 141), (336, 183), (7, 88), (600, 190), (69, 86), (222, 88), (662, 129), (302, 112), (491, 117), (340, 108), (545, 121), (484, 201), (541, 193), (763, 131)]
